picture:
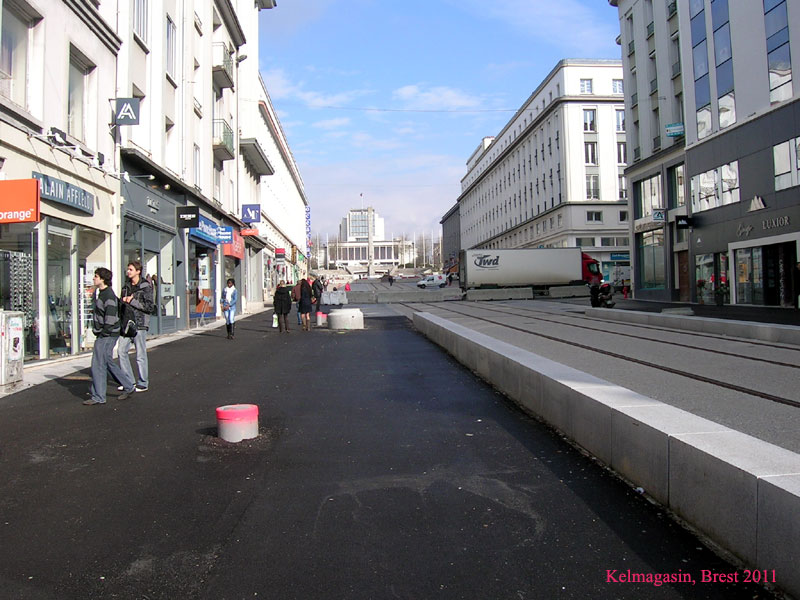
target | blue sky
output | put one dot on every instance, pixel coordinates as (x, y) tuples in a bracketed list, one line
[(389, 99)]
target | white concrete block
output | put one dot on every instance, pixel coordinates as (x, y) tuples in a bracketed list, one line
[(713, 484), (640, 435), (779, 529)]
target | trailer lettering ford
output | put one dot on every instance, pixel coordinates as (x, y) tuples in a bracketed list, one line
[(487, 261)]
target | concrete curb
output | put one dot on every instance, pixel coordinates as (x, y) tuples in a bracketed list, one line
[(767, 332), (741, 492)]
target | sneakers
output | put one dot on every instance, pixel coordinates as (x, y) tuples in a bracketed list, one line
[(92, 402), (125, 395), (138, 388)]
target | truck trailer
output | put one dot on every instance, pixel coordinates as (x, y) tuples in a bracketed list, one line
[(526, 267)]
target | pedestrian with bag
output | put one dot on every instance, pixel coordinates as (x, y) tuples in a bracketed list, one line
[(106, 328), (317, 289), (282, 305), (138, 294), (296, 298), (228, 301), (304, 306)]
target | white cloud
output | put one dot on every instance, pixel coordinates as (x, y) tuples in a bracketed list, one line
[(575, 26), (332, 123), (280, 87), (436, 98)]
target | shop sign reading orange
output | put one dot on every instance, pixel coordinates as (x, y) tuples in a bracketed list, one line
[(19, 201)]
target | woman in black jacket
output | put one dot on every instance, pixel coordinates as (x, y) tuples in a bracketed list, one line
[(305, 304), (282, 304)]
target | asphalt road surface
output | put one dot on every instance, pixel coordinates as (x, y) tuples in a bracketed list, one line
[(384, 469)]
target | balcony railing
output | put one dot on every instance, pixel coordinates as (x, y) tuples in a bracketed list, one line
[(223, 140), (222, 70)]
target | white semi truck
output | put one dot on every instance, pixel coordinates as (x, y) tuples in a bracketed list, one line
[(526, 267)]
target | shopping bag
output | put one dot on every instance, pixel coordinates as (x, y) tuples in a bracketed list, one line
[(274, 320)]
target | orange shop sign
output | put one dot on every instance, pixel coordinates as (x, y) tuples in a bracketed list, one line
[(235, 248), (249, 231), (19, 201)]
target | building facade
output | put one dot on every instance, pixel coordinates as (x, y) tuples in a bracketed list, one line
[(742, 136), (553, 177), (728, 191), (105, 189), (650, 42)]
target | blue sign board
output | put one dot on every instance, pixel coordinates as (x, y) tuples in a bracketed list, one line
[(206, 230), (251, 213), (225, 235), (64, 193), (620, 256)]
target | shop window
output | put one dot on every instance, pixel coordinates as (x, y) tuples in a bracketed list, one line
[(648, 192), (19, 284), (676, 187), (59, 288), (92, 254), (650, 261)]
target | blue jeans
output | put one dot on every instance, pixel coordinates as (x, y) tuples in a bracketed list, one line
[(140, 342), (230, 315), (103, 364)]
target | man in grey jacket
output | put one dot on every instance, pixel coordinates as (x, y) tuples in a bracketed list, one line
[(105, 326), (138, 293)]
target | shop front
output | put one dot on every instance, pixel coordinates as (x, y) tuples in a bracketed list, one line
[(765, 271), (52, 238), (150, 237), (203, 257), (233, 265)]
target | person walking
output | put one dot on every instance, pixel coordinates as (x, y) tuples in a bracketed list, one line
[(317, 289), (391, 281), (106, 326), (296, 298), (304, 306), (138, 293), (282, 304), (228, 301)]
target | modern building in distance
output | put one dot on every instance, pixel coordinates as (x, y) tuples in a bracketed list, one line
[(732, 225), (553, 177), (352, 249)]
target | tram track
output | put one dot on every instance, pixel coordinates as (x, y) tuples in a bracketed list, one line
[(623, 357), (650, 339), (656, 328)]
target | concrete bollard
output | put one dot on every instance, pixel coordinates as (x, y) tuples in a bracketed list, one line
[(322, 319), (346, 318), (237, 422)]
